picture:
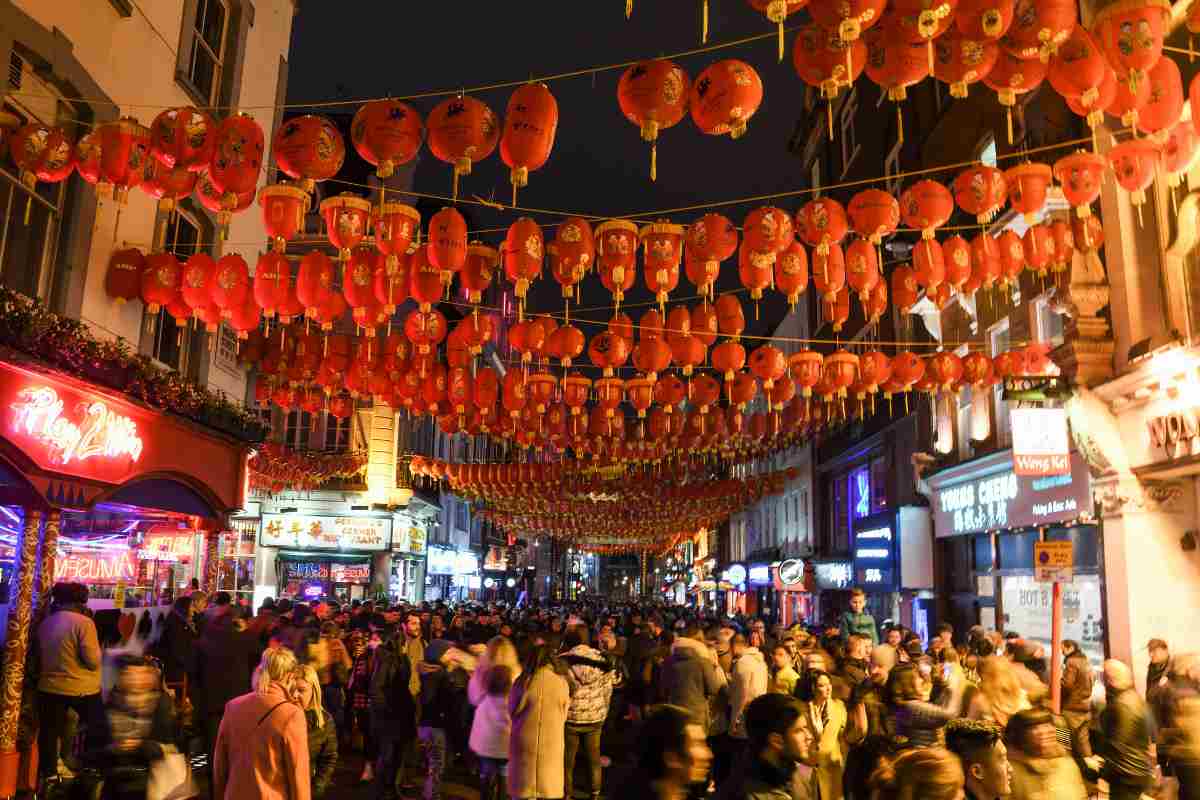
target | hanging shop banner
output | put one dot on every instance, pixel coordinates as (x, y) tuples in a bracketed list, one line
[(791, 574), (1028, 607), (66, 427), (82, 567), (304, 532), (1001, 499), (1041, 445), (408, 539), (875, 552), (350, 573)]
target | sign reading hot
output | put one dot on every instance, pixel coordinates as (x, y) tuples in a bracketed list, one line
[(89, 430)]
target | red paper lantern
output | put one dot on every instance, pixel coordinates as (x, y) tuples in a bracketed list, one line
[(877, 304), (1064, 245), (478, 270), (710, 240), (1012, 76), (728, 357), (1131, 35), (652, 356), (283, 210), (874, 214), (245, 319), (959, 61), (687, 352), (929, 263), (198, 273), (1012, 256), (528, 134), (346, 219), (272, 277), (575, 253), (1028, 185), (1087, 233), (653, 95), (907, 368), (1078, 68), (946, 369), (1081, 175), (841, 370), (124, 151), (160, 281), (86, 157), (703, 392), (754, 271), (387, 134), (358, 281), (894, 60), (309, 149), (230, 287), (862, 269), (704, 323), (905, 291), (621, 325), (926, 205), (608, 351), (447, 242), (223, 204), (1128, 99), (977, 370), (768, 363), (791, 272), (462, 132), (826, 60), (731, 320), (166, 185), (983, 19), (1165, 105), (396, 224), (616, 253), (236, 158), (1179, 152), (767, 232), (821, 223), (425, 329), (123, 279), (1038, 244), (524, 251), (183, 138), (1134, 163), (836, 308), (1093, 112), (1039, 27), (986, 262), (874, 370), (575, 392), (663, 243), (314, 281), (980, 191), (956, 255), (724, 97)]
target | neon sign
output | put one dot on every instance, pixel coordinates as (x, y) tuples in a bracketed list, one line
[(95, 568), (38, 412)]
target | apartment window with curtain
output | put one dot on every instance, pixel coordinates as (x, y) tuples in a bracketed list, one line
[(206, 37), (297, 429), (337, 434)]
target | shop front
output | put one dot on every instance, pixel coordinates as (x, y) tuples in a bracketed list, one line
[(451, 575), (325, 556), (760, 588), (732, 586), (407, 581), (986, 519), (832, 580), (794, 579), (892, 563)]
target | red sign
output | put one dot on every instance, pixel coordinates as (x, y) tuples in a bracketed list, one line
[(88, 430), (95, 567), (351, 573), (170, 544), (1040, 442)]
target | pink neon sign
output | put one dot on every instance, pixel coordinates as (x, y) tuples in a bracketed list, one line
[(96, 431)]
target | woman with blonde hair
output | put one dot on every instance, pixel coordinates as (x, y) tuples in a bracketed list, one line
[(322, 730), (1000, 694), (928, 773)]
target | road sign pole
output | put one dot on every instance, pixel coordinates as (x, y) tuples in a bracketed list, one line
[(1056, 661)]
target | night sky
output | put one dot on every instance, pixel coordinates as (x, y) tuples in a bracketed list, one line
[(599, 165)]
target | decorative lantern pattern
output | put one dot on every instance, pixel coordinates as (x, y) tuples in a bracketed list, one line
[(387, 134), (530, 123), (724, 97), (653, 95)]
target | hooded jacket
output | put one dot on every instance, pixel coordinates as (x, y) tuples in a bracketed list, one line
[(590, 675), (748, 682), (691, 677)]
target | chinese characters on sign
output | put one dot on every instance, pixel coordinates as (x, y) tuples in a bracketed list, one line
[(94, 431), (304, 532), (1040, 442)]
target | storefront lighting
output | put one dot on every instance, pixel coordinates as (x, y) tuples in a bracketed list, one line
[(510, 583), (99, 432)]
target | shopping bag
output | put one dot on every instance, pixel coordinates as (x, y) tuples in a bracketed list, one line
[(171, 778)]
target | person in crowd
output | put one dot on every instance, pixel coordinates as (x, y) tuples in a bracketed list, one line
[(361, 644), (261, 751), (322, 730), (855, 667), (758, 636), (333, 668), (918, 721), (538, 703), (857, 620), (829, 724), (69, 678), (590, 675), (1160, 665), (1077, 683), (639, 663), (779, 743), (1000, 692), (176, 644), (140, 729), (979, 745), (748, 681), (673, 759), (784, 677), (1179, 742), (930, 773), (436, 714), (393, 705), (492, 727), (691, 675), (1125, 723), (1042, 769)]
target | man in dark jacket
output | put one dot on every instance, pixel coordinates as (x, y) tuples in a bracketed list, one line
[(639, 658), (221, 670), (393, 711), (691, 675), (1126, 726), (1077, 697), (779, 740)]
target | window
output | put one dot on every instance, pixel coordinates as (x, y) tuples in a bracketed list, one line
[(462, 517), (205, 61), (848, 138), (227, 347), (840, 514), (1049, 322), (337, 434), (295, 432), (999, 341), (879, 484), (987, 153), (171, 343)]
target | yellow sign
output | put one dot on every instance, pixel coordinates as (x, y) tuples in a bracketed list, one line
[(119, 595), (1054, 562)]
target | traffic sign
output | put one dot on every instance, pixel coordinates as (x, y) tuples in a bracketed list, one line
[(1053, 562)]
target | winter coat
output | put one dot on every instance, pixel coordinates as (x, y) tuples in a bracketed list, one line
[(863, 624), (70, 654), (755, 779), (393, 707), (224, 661), (538, 705), (749, 680), (1077, 683), (591, 677), (829, 746), (261, 751), (1126, 726), (1045, 778), (491, 729), (437, 696), (322, 752), (690, 677), (175, 646)]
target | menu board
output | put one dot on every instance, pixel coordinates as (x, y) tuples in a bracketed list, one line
[(305, 532)]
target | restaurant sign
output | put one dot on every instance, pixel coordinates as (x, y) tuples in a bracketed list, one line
[(1004, 500), (305, 532)]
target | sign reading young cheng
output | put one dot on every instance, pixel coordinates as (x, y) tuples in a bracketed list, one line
[(304, 532), (1005, 500), (1040, 442)]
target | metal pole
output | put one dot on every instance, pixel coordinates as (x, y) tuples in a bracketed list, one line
[(1056, 665)]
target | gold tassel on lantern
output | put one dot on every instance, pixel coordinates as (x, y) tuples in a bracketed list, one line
[(628, 8), (704, 22)]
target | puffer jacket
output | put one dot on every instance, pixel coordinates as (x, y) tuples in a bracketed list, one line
[(748, 682), (590, 675)]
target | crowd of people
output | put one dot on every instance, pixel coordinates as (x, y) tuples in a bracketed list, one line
[(587, 698)]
